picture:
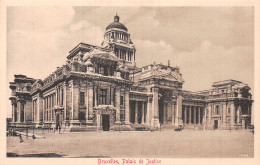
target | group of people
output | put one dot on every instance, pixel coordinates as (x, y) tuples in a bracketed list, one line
[(11, 132)]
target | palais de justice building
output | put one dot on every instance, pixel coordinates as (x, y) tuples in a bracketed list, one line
[(100, 87)]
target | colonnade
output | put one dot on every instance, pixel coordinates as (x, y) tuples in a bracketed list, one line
[(137, 114), (193, 115), (125, 54), (18, 111), (56, 97)]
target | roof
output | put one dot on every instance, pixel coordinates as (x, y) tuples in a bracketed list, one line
[(100, 54), (116, 24), (225, 82)]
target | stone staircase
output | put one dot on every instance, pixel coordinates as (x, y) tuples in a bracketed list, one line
[(140, 127), (82, 128), (168, 126)]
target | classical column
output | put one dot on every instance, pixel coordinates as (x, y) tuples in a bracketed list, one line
[(195, 115), (173, 113), (142, 112), (190, 115), (98, 120), (38, 109), (232, 121), (204, 110), (136, 112), (155, 108), (169, 107), (112, 95), (90, 94), (178, 110), (57, 94), (51, 115), (118, 105), (13, 113), (164, 112), (199, 115), (61, 95), (224, 114), (95, 95), (31, 113), (146, 113), (86, 102), (209, 117), (238, 114), (47, 114), (220, 112), (127, 118), (75, 101), (185, 115), (72, 99), (65, 100), (149, 110), (43, 109)]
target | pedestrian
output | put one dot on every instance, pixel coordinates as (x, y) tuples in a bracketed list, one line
[(21, 139), (9, 133), (59, 128)]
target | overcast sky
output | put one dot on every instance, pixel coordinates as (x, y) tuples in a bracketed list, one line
[(207, 43)]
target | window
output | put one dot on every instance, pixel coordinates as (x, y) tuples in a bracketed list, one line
[(82, 98), (121, 100), (217, 110), (229, 111), (103, 97), (101, 70), (62, 96)]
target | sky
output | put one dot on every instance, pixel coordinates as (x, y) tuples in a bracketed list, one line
[(208, 43)]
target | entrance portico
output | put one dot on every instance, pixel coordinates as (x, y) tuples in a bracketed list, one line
[(138, 112)]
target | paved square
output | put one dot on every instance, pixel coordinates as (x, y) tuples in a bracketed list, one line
[(165, 144)]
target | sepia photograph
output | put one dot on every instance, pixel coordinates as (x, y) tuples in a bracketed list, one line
[(130, 84)]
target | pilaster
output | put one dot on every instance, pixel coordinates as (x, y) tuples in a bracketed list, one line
[(136, 112), (238, 114), (127, 119), (19, 111), (209, 117), (118, 105), (185, 115), (142, 112), (155, 108), (224, 114), (178, 120), (149, 111), (232, 119), (173, 113), (90, 102)]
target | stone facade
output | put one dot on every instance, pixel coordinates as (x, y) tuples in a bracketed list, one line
[(101, 88)]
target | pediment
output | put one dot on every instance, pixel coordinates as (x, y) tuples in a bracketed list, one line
[(171, 77)]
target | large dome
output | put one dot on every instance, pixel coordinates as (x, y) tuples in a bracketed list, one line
[(116, 24)]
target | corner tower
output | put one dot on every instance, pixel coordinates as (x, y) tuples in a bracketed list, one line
[(118, 40)]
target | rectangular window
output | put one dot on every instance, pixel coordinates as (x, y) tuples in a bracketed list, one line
[(229, 111), (121, 100), (217, 110), (82, 98), (101, 70), (103, 97), (62, 96)]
